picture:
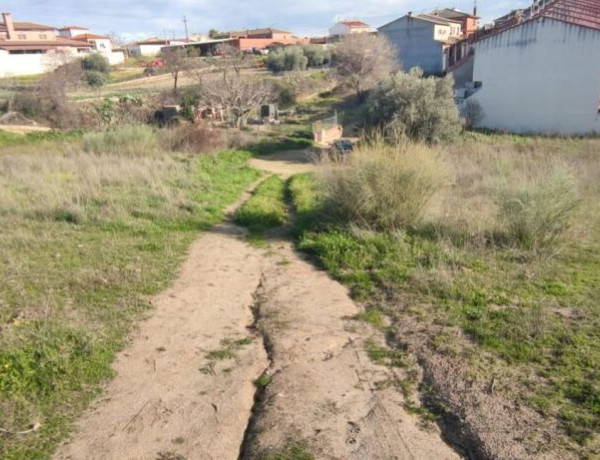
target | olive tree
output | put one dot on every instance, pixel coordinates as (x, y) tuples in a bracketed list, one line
[(362, 60), (421, 109)]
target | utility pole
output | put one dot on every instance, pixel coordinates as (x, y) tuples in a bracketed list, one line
[(187, 35)]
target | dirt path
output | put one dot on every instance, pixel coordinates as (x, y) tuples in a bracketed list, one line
[(184, 387)]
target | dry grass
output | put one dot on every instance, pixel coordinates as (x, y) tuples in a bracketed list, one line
[(470, 266), (384, 187), (86, 239)]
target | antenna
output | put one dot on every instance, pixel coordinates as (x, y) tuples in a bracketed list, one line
[(185, 22)]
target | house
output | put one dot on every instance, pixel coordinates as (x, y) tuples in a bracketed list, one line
[(265, 34), (540, 72), (344, 28), (423, 41), (469, 22), (247, 41), (28, 49), (99, 43)]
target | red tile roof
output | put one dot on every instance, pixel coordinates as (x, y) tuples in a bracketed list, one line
[(90, 37), (357, 24), (584, 13), (21, 25), (41, 44), (74, 27)]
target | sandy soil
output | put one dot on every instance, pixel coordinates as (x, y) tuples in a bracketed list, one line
[(174, 399)]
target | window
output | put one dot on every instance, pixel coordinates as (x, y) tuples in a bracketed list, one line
[(22, 37), (43, 37)]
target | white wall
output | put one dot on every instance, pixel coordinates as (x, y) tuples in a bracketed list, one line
[(339, 30), (146, 50), (14, 65), (543, 76)]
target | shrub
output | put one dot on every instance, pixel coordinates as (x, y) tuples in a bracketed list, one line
[(132, 140), (537, 211), (95, 62), (384, 187), (317, 55), (189, 138), (27, 103), (95, 79), (287, 59), (287, 93), (472, 113), (421, 109)]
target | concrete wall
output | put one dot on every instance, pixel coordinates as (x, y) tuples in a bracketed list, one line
[(543, 76), (31, 35), (15, 65), (415, 43), (146, 50)]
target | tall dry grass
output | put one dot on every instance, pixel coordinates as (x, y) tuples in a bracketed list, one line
[(383, 186)]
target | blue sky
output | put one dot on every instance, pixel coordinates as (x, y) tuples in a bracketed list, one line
[(141, 18)]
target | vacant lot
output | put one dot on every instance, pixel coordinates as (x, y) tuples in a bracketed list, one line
[(89, 232), (505, 324)]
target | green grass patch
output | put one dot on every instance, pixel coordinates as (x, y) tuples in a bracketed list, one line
[(12, 139), (276, 144), (86, 241), (266, 208)]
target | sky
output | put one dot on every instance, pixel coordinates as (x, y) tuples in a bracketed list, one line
[(134, 19)]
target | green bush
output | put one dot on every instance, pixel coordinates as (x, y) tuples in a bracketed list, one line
[(95, 62), (95, 79), (384, 187), (421, 109), (132, 140), (536, 211)]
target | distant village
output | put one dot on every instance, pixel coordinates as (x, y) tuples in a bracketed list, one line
[(530, 70)]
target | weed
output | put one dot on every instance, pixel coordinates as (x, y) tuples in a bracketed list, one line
[(383, 355), (293, 450), (373, 316), (263, 381)]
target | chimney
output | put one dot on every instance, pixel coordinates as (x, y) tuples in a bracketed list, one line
[(8, 22), (475, 9)]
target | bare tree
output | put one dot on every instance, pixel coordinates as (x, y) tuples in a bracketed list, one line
[(362, 60), (236, 92), (176, 62)]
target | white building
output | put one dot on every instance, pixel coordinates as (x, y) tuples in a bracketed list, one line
[(344, 28), (541, 73)]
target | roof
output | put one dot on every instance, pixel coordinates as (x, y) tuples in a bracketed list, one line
[(24, 26), (91, 37), (436, 19), (250, 32), (153, 41), (355, 24), (451, 13), (582, 13), (74, 27), (19, 45)]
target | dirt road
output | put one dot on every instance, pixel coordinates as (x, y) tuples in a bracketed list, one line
[(252, 351)]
